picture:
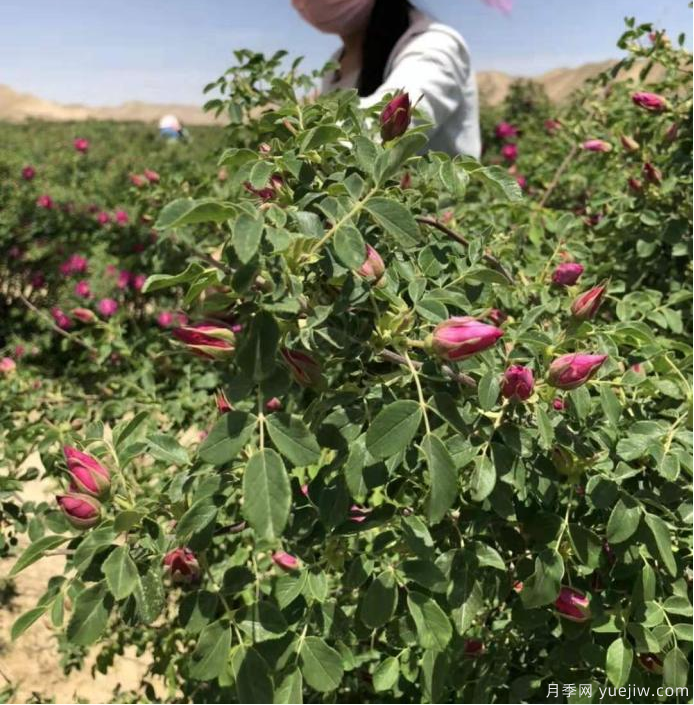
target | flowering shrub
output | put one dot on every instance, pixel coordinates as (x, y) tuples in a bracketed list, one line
[(445, 455)]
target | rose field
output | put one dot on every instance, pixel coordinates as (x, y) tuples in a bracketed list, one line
[(293, 410)]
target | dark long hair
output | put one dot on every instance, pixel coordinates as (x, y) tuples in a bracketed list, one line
[(389, 21)]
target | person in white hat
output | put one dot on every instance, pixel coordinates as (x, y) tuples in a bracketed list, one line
[(170, 127)]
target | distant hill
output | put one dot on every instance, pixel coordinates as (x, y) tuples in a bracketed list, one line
[(493, 86)]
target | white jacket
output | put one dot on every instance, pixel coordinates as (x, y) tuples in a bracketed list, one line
[(431, 61)]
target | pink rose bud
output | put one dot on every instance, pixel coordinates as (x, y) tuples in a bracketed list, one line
[(107, 307), (273, 404), (45, 201), (573, 605), (82, 289), (61, 319), (7, 366), (137, 180), (518, 382), (518, 587), (629, 143), (81, 145), (222, 403), (303, 368), (84, 315), (121, 217), (264, 148), (651, 663), (463, 336), (124, 277), (103, 218), (635, 185), (652, 174), (652, 102), (138, 281), (637, 368), (586, 305), (396, 116), (373, 267), (87, 474), (522, 181), (567, 274), (358, 514), (28, 173), (472, 648), (597, 146), (558, 404), (81, 510), (165, 319), (496, 316), (182, 565), (573, 370), (552, 125), (406, 181), (213, 341), (151, 176), (285, 560), (510, 152), (504, 130)]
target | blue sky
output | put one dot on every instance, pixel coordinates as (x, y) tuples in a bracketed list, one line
[(106, 51)]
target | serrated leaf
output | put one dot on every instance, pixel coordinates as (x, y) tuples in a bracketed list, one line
[(34, 551), (321, 665), (227, 437), (293, 439), (120, 572), (393, 428), (395, 219), (90, 615)]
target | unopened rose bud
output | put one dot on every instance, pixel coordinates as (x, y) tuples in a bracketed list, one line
[(573, 370), (672, 131), (7, 366), (87, 473), (273, 404), (652, 174), (373, 268), (635, 185), (652, 102), (214, 341), (472, 648), (518, 587), (586, 305), (503, 130), (558, 404), (28, 173), (82, 510), (81, 145), (406, 180), (552, 125), (496, 316), (137, 180), (151, 176), (597, 146), (461, 337), (518, 383), (629, 143), (264, 148), (651, 663), (182, 565), (285, 560), (358, 514), (396, 116), (303, 368), (222, 403), (573, 605), (567, 273), (510, 152), (84, 315)]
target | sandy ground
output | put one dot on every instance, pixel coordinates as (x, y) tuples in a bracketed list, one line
[(32, 663)]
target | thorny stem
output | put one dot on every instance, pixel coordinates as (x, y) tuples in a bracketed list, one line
[(420, 394), (459, 377), (558, 174)]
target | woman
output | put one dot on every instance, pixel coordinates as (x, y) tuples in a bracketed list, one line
[(388, 45)]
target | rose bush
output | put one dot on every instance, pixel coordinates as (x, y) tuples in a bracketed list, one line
[(406, 433)]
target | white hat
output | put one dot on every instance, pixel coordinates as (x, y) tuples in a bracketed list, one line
[(170, 122)]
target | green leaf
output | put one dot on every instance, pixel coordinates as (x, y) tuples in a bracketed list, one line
[(256, 355), (266, 494), (349, 246), (22, 623), (482, 478), (443, 478), (262, 621), (168, 449), (293, 439), (618, 662), (488, 390), (407, 146), (34, 551), (149, 595), (675, 669), (396, 220), (90, 615), (380, 600), (393, 428), (544, 426), (253, 681), (187, 211), (290, 690), (321, 665), (386, 674), (661, 536), (610, 404), (246, 238), (199, 516), (434, 674), (211, 653), (434, 629), (503, 184), (321, 136), (542, 587), (624, 520), (155, 282), (120, 572), (586, 544), (227, 437)]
